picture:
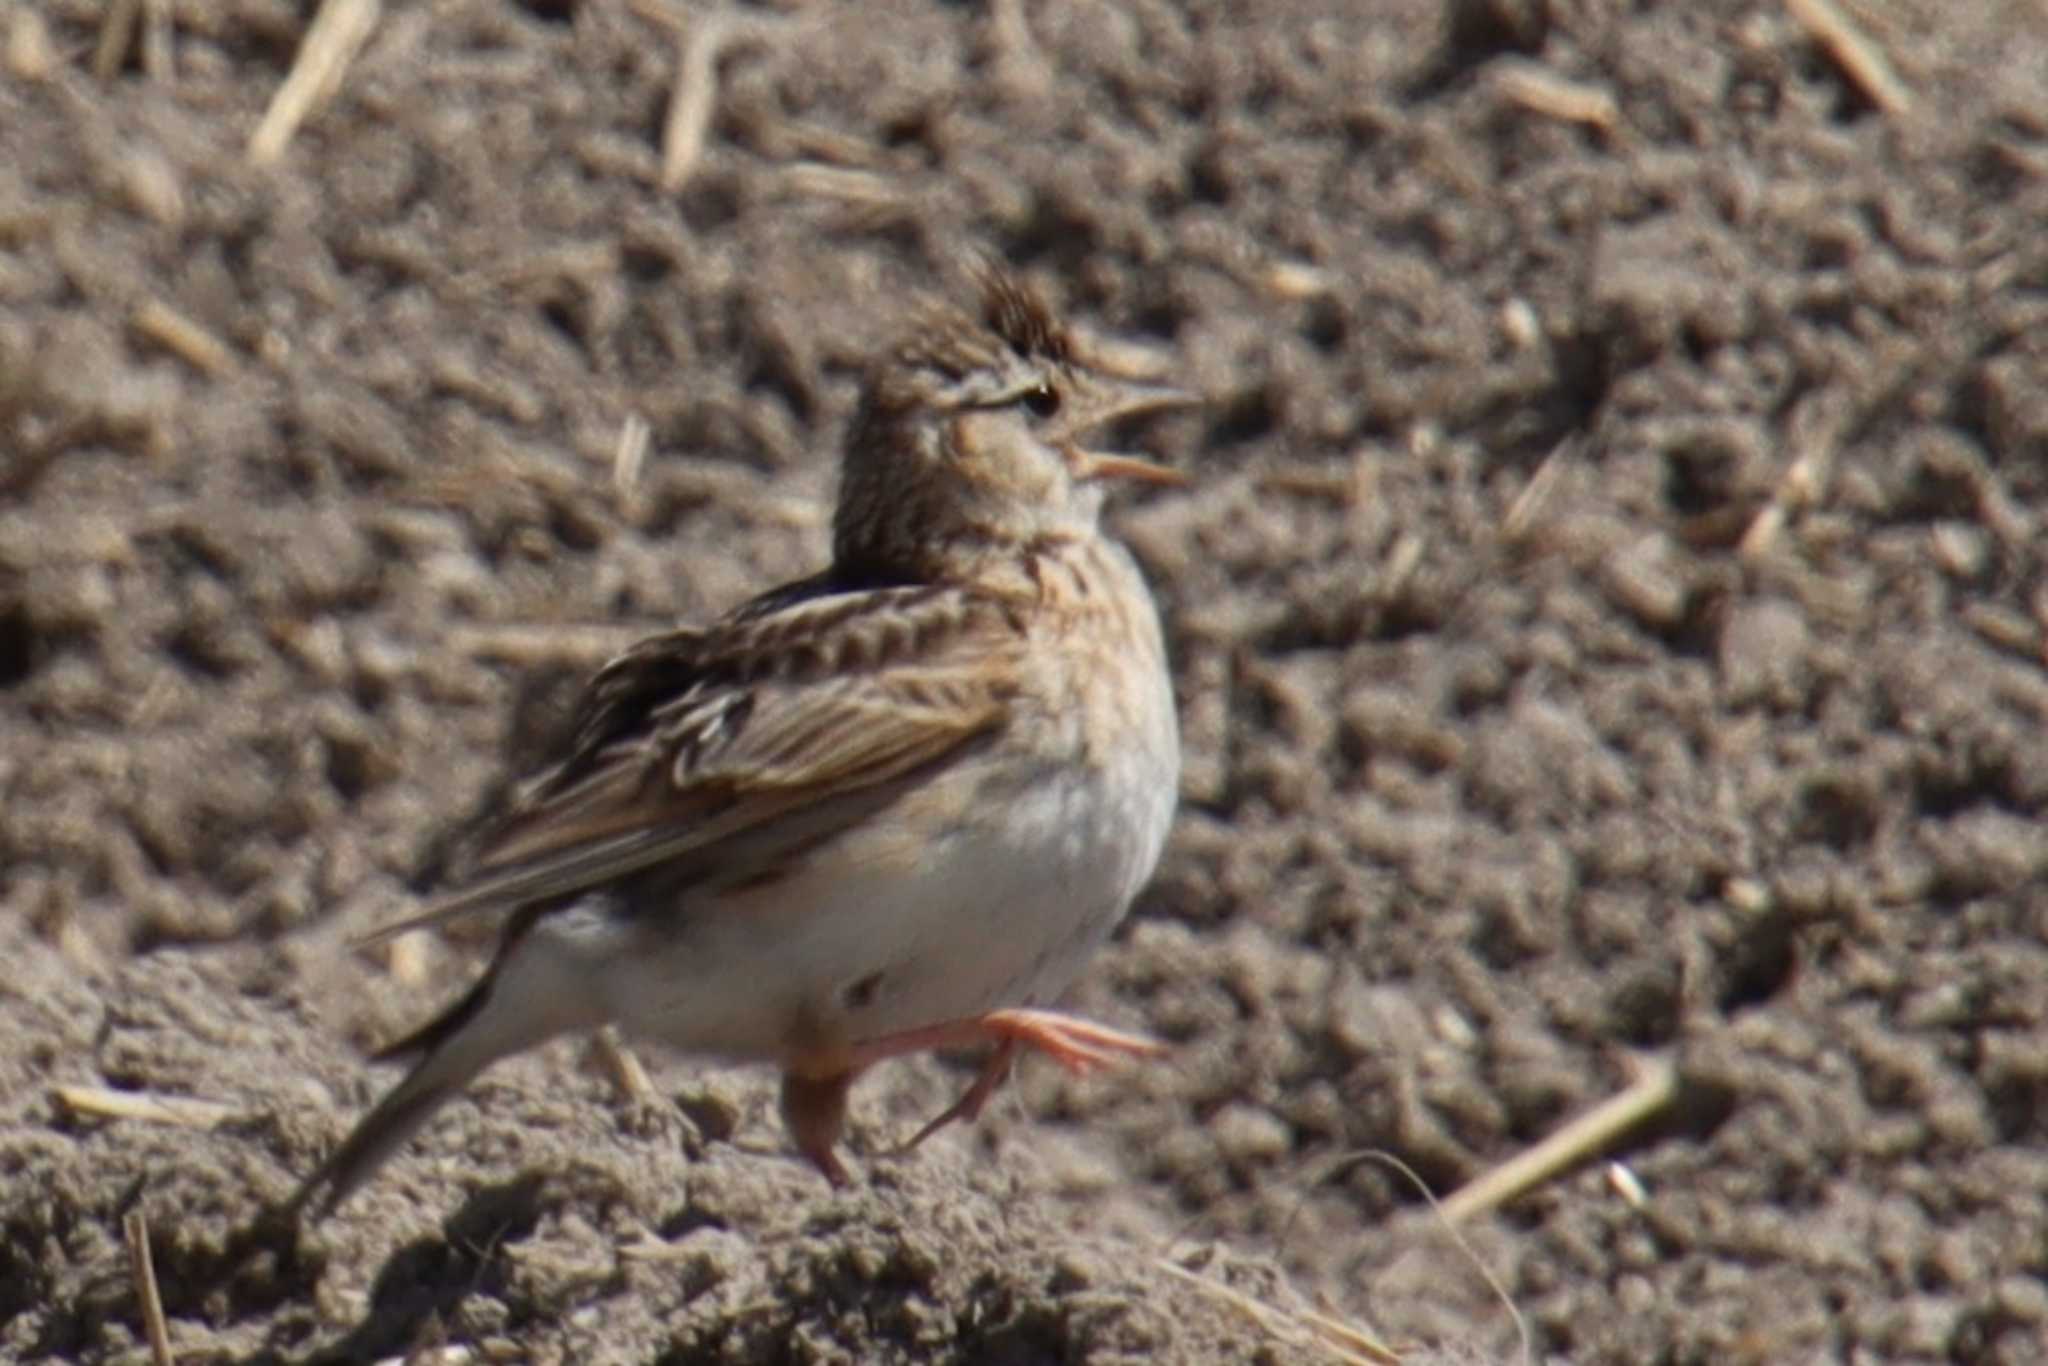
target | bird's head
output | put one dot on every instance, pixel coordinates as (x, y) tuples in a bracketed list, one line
[(969, 436)]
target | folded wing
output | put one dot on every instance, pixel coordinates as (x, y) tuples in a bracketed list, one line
[(709, 753)]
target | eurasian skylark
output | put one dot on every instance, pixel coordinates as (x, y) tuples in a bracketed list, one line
[(892, 807)]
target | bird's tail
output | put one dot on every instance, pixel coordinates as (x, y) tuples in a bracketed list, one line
[(447, 1061), (492, 1021)]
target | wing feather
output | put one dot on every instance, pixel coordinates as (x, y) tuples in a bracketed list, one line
[(772, 729)]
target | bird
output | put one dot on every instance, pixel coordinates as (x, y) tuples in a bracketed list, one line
[(892, 807)]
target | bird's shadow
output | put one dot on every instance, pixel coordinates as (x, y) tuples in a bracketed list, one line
[(270, 1260), (427, 1278)]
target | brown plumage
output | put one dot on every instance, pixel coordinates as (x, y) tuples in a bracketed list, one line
[(889, 807)]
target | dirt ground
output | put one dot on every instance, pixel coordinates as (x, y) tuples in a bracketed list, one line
[(1609, 628)]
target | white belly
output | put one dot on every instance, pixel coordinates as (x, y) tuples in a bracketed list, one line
[(1001, 910), (1025, 876)]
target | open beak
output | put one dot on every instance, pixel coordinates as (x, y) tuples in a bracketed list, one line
[(1119, 400), (1101, 465)]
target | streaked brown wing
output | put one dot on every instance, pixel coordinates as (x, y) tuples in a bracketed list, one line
[(761, 734)]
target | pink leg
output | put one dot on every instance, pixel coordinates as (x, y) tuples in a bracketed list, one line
[(969, 1107), (1078, 1045), (814, 1109)]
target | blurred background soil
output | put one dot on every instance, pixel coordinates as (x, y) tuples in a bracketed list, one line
[(1609, 628)]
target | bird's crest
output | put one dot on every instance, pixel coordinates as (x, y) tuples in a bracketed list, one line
[(1012, 316), (1019, 314)]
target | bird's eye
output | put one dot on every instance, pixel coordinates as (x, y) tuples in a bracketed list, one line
[(1042, 400)]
